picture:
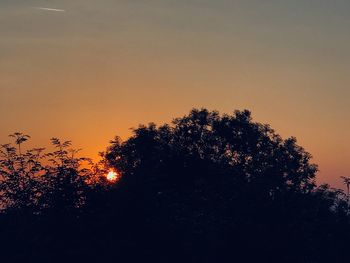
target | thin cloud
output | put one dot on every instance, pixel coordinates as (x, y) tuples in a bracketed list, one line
[(50, 9)]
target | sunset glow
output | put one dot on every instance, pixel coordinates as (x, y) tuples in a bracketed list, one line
[(175, 130), (121, 63), (112, 176)]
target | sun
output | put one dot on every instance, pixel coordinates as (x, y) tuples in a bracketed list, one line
[(112, 176)]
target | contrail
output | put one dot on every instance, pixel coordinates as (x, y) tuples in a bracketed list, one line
[(50, 9)]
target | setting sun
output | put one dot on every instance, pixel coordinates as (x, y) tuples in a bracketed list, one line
[(112, 176)]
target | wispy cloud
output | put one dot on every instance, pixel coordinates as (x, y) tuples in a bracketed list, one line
[(50, 9)]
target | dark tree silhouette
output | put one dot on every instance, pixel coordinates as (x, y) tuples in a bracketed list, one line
[(36, 181), (209, 184), (204, 146), (20, 187), (205, 188), (66, 182), (346, 181)]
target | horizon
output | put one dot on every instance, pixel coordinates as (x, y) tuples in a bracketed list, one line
[(88, 71)]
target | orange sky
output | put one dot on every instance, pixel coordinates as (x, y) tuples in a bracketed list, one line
[(102, 67)]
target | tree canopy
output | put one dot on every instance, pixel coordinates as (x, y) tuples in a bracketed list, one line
[(207, 146)]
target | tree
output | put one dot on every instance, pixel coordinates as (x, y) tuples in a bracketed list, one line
[(20, 184), (234, 144), (204, 188), (35, 181), (221, 183), (65, 180), (346, 181)]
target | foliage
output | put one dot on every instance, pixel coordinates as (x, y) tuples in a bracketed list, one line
[(20, 183), (36, 182), (205, 143), (205, 188), (217, 183)]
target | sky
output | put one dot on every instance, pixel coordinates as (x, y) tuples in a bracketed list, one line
[(94, 69)]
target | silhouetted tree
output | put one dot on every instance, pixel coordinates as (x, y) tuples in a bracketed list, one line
[(36, 181), (204, 188), (20, 184), (65, 181), (346, 182), (234, 145), (209, 184)]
